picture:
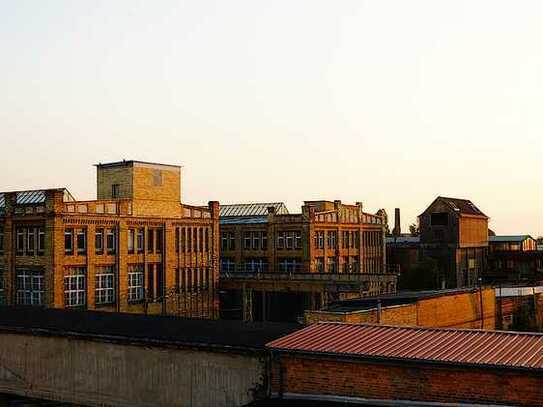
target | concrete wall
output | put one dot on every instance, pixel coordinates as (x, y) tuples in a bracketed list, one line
[(101, 373)]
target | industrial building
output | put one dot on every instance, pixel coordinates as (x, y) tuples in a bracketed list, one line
[(136, 248), (275, 264)]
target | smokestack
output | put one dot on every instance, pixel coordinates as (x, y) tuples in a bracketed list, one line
[(397, 231)]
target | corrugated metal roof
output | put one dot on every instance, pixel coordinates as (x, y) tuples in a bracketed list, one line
[(253, 209), (402, 239), (475, 347), (243, 220), (30, 197), (2, 200), (509, 238)]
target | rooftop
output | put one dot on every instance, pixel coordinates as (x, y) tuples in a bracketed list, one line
[(399, 298), (403, 239), (168, 330), (253, 209), (462, 206), (509, 238), (131, 163), (457, 346)]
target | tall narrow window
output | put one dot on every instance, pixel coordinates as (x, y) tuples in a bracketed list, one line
[(115, 191), (41, 241), (189, 240), (30, 287), (1, 241), (75, 287), (81, 241), (159, 240), (30, 241), (183, 240), (232, 241), (247, 240), (105, 285), (135, 282), (99, 241), (110, 241), (141, 236), (264, 240), (290, 240), (281, 240), (298, 240), (150, 240), (131, 240), (177, 236), (69, 241), (200, 240), (194, 238), (207, 241)]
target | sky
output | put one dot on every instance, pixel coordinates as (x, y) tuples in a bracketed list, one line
[(391, 103)]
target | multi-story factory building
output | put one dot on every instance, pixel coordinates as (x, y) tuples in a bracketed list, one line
[(136, 248), (275, 264)]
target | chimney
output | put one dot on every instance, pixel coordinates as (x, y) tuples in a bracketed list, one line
[(397, 231)]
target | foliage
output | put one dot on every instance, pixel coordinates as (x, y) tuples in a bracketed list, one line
[(423, 275), (414, 229)]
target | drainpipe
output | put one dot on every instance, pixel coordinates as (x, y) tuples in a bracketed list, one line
[(379, 311), (481, 300)]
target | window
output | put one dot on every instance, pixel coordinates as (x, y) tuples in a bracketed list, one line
[(289, 265), (256, 265), (150, 240), (439, 219), (256, 240), (141, 235), (69, 241), (159, 241), (332, 237), (20, 241), (331, 266), (75, 287), (131, 240), (115, 191), (189, 240), (81, 241), (247, 240), (30, 241), (177, 237), (264, 241), (227, 264), (224, 241), (290, 240), (232, 241), (319, 264), (135, 282), (99, 241), (354, 267), (207, 241), (281, 240), (41, 241), (195, 238), (157, 178), (110, 241), (29, 287), (319, 239), (1, 240), (105, 280), (200, 240)]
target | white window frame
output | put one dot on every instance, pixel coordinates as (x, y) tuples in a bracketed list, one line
[(75, 287), (135, 283), (30, 289), (105, 285)]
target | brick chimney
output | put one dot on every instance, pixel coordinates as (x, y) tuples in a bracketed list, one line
[(397, 231)]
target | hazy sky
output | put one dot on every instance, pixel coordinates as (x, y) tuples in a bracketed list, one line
[(386, 102)]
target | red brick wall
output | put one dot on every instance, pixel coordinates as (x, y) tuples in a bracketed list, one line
[(304, 375)]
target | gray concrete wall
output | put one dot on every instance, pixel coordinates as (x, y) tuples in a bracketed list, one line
[(101, 373)]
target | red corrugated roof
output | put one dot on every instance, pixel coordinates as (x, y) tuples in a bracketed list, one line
[(496, 348)]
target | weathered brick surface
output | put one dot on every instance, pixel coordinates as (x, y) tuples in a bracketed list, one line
[(402, 381), (461, 310)]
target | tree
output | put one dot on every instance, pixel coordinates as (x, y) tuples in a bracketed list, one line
[(414, 229), (423, 275)]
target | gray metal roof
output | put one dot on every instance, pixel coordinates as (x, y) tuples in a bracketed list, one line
[(509, 238), (243, 220), (402, 239), (2, 200), (253, 209), (30, 197)]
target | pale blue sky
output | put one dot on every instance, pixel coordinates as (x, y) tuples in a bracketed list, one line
[(386, 102)]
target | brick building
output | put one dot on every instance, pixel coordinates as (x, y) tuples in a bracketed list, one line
[(514, 259), (387, 365), (136, 248), (275, 264), (454, 233)]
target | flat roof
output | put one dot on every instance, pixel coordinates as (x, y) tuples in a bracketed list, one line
[(145, 329), (509, 238), (457, 346), (132, 162), (386, 300)]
